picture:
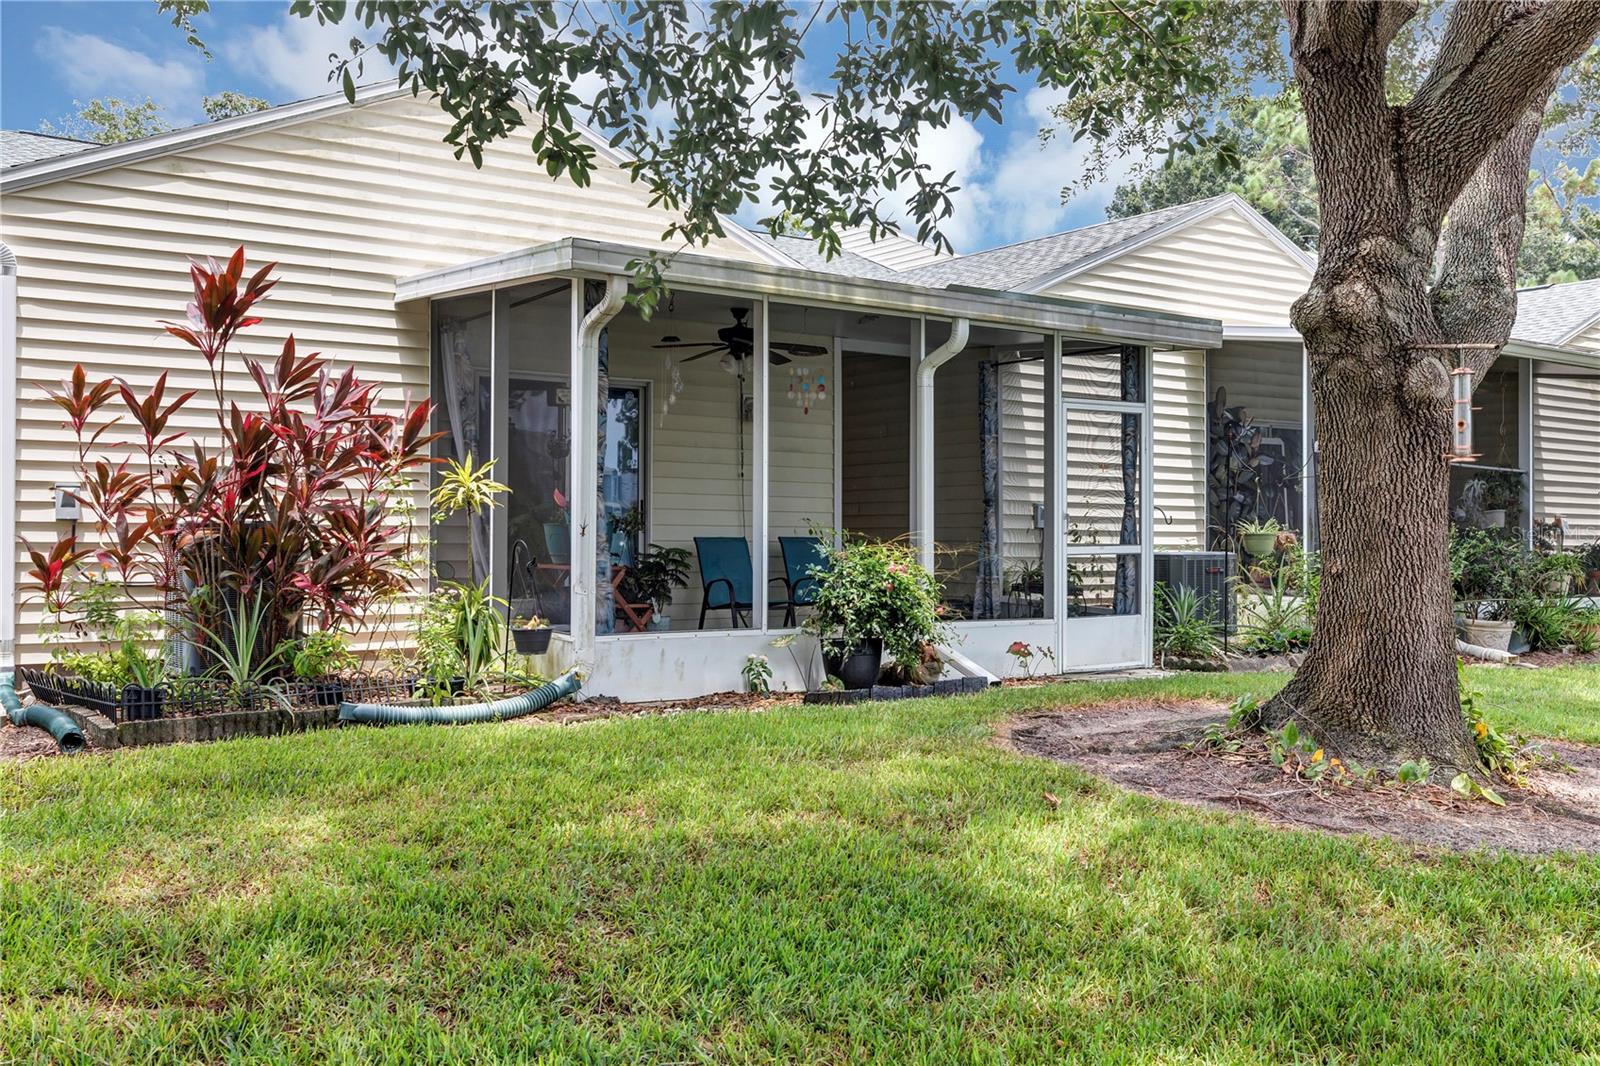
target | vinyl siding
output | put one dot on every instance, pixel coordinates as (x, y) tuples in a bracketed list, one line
[(346, 203), (1566, 451), (895, 251), (1220, 267), (875, 489)]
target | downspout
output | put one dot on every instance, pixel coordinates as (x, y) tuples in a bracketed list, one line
[(59, 724), (960, 329), (586, 561)]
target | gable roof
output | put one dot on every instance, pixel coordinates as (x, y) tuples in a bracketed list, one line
[(19, 147), (96, 157), (1012, 266), (804, 253), (1557, 314)]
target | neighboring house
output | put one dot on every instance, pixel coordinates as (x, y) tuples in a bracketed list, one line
[(1537, 426), (770, 395), (901, 393)]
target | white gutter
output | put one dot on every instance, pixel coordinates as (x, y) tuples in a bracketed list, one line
[(585, 464), (960, 329)]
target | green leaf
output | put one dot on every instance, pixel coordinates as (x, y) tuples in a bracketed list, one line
[(1462, 785)]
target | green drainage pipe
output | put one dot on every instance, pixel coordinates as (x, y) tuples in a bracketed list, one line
[(515, 707), (59, 724)]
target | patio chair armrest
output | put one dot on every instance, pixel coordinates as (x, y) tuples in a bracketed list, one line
[(713, 583)]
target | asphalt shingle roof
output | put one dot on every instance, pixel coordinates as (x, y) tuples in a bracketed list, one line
[(1013, 265), (1551, 314), (804, 251), (19, 146)]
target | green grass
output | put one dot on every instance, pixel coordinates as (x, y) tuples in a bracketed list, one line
[(806, 885)]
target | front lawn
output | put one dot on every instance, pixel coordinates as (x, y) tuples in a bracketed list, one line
[(876, 883)]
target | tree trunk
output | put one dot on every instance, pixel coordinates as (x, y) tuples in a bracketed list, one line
[(1379, 683)]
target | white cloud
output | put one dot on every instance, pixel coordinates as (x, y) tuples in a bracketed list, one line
[(1021, 196), (293, 55), (94, 66)]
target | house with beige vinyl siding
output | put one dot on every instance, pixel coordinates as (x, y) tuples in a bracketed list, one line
[(769, 397), (1040, 418)]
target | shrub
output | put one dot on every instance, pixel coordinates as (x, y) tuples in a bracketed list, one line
[(322, 654), (1182, 629), (877, 589), (1276, 621), (290, 505)]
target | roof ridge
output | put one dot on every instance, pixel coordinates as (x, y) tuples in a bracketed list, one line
[(50, 136)]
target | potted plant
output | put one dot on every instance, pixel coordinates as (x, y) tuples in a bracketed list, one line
[(531, 636), (875, 597), (1258, 537), (1557, 571), (1487, 572), (318, 660), (657, 574)]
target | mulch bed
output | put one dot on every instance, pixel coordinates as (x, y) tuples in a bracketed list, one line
[(21, 743), (1139, 745), (1557, 658)]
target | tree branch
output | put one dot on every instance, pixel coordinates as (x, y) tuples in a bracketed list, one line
[(1495, 62), (1474, 300)]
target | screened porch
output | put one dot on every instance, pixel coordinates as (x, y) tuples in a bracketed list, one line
[(748, 421)]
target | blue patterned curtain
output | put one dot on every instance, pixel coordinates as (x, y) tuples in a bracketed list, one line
[(1127, 587), (991, 561)]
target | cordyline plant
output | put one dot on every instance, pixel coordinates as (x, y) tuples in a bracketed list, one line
[(291, 503)]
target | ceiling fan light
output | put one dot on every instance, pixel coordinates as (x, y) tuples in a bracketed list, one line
[(668, 338)]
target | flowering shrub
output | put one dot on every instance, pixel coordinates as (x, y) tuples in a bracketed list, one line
[(294, 504), (877, 589)]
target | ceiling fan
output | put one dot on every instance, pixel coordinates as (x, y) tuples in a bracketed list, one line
[(737, 342)]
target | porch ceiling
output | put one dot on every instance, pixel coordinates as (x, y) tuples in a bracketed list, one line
[(1046, 314)]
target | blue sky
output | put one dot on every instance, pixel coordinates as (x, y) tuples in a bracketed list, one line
[(55, 53)]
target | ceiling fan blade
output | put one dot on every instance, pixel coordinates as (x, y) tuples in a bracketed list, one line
[(702, 355), (687, 344), (801, 349), (779, 359)]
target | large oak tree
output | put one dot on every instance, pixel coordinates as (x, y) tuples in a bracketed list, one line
[(712, 103)]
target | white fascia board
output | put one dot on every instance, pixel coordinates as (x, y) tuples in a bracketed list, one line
[(1202, 211), (1284, 334), (688, 271), (1552, 353)]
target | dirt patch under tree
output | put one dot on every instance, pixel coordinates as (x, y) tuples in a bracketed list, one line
[(1140, 745)]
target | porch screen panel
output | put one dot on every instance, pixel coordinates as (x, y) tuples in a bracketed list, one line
[(991, 469), (1104, 451), (678, 473), (462, 339), (538, 436), (803, 412)]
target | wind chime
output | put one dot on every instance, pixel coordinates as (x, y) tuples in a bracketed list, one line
[(806, 389), (674, 387)]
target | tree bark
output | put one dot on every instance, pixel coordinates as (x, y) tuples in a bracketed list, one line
[(1378, 684)]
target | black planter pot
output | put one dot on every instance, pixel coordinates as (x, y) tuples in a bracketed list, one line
[(328, 692), (857, 666), (140, 704), (531, 641)]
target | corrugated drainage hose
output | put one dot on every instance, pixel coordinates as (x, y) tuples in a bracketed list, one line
[(59, 724), (515, 707)]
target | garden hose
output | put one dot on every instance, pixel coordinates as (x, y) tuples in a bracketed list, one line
[(514, 707), (59, 724)]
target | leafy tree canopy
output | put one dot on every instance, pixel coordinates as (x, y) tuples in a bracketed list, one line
[(113, 121)]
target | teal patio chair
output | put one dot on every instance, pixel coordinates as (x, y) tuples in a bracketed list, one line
[(725, 579), (803, 557)]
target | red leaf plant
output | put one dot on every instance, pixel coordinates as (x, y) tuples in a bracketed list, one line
[(296, 500)]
